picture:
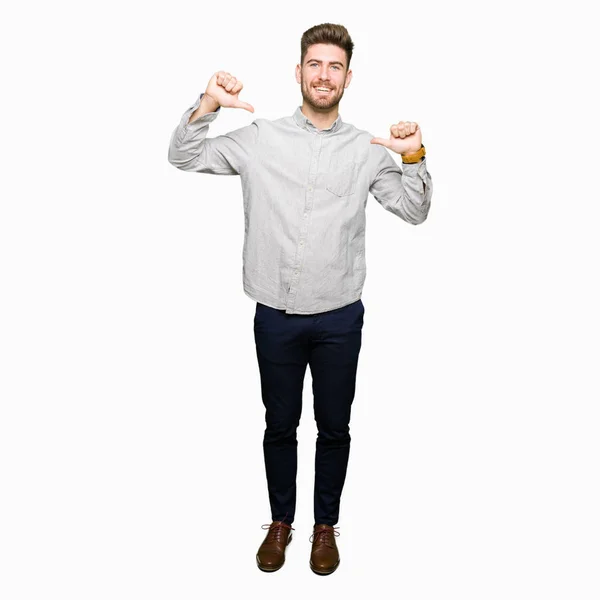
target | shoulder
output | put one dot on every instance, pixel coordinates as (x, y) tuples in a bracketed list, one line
[(272, 131), (280, 121), (373, 153), (361, 135)]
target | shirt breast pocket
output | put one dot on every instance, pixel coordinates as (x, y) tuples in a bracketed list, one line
[(341, 180)]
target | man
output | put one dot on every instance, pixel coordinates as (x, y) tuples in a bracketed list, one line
[(305, 181)]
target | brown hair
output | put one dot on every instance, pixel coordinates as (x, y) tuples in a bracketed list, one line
[(327, 33)]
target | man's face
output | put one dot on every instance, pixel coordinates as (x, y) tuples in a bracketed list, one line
[(325, 66)]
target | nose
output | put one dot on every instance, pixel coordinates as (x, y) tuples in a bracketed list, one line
[(324, 74)]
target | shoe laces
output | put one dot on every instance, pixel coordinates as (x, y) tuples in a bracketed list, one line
[(325, 536), (276, 530)]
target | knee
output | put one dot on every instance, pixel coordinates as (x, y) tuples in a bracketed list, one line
[(333, 437), (281, 433)]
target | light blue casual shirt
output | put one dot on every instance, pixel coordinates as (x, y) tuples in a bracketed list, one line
[(305, 192)]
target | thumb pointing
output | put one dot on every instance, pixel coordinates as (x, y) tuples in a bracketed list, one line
[(381, 141), (245, 106)]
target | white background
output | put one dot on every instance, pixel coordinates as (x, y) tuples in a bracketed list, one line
[(131, 420)]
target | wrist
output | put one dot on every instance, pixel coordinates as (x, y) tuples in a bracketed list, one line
[(208, 104)]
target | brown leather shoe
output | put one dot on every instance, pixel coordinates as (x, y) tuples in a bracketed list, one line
[(271, 554), (324, 557)]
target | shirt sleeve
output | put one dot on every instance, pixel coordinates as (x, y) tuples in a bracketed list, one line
[(228, 154), (405, 192)]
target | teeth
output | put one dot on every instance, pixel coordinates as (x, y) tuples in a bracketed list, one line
[(323, 89)]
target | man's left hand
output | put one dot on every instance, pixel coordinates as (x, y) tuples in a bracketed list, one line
[(405, 138)]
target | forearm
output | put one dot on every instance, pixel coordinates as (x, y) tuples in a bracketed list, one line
[(404, 191), (191, 150), (417, 191), (186, 148)]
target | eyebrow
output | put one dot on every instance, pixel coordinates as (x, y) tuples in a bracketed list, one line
[(333, 62)]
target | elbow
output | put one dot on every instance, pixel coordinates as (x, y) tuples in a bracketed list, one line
[(180, 160), (416, 217), (174, 157), (418, 220), (180, 154), (420, 210), (422, 217)]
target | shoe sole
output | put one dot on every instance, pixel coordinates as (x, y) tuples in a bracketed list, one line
[(273, 569), (322, 572)]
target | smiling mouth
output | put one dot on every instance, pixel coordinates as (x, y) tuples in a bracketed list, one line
[(323, 90)]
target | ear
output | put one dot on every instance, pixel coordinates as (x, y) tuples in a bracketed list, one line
[(298, 74), (348, 78)]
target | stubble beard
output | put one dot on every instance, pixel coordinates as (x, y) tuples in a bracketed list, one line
[(324, 103)]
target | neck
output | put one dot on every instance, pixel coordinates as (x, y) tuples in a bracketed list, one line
[(321, 119)]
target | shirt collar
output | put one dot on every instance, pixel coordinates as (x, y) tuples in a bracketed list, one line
[(306, 123)]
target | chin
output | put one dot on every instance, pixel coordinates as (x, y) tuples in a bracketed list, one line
[(316, 102)]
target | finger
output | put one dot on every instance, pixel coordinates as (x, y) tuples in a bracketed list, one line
[(382, 142), (231, 84), (237, 88)]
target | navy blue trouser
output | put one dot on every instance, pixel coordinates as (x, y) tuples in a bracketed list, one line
[(285, 344)]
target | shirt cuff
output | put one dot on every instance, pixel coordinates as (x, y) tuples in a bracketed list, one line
[(206, 118), (416, 169)]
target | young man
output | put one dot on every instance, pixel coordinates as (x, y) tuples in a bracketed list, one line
[(305, 182)]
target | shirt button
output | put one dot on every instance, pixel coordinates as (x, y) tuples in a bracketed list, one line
[(295, 272), (310, 189), (302, 243), (305, 215)]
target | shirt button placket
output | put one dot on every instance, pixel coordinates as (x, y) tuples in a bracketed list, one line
[(312, 175)]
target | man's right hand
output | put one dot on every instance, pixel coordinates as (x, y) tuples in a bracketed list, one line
[(223, 88)]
